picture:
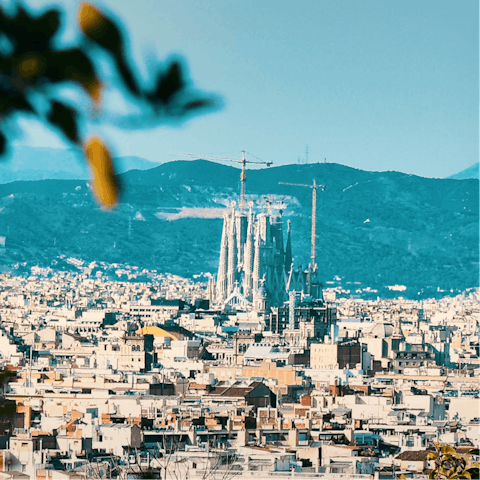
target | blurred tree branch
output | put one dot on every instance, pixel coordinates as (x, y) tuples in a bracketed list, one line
[(30, 66)]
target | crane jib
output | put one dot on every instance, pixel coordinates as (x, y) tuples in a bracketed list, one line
[(243, 175)]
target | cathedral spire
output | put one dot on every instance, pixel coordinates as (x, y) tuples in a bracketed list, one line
[(222, 267), (232, 253), (211, 290), (288, 248), (253, 248), (256, 260), (248, 255)]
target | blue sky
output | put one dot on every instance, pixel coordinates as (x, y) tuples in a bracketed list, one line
[(372, 84)]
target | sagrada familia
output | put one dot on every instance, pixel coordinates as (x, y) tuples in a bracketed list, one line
[(256, 267)]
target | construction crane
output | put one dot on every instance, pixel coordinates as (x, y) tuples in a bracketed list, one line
[(243, 175), (314, 213)]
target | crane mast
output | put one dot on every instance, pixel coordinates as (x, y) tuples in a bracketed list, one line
[(243, 174), (314, 214)]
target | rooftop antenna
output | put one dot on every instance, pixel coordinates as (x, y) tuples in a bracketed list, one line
[(314, 214), (243, 175)]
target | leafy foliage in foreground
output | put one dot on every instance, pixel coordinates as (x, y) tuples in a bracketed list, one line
[(451, 464), (5, 374), (7, 408), (32, 69)]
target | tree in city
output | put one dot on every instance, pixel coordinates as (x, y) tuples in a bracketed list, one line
[(5, 375), (7, 407), (33, 71), (451, 464)]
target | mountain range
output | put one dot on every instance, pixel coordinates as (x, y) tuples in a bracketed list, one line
[(40, 163), (470, 172), (374, 229)]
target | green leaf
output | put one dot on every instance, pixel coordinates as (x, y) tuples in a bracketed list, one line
[(66, 64), (475, 451), (10, 103), (127, 74), (74, 65), (21, 20), (64, 118), (169, 84), (431, 456), (28, 33), (48, 23), (3, 149), (8, 409), (200, 103), (474, 471)]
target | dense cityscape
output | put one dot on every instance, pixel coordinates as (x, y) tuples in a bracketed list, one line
[(258, 371), (160, 317)]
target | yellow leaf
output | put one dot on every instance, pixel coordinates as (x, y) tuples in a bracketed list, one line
[(105, 183), (447, 449), (30, 66), (90, 19), (94, 88), (100, 29)]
